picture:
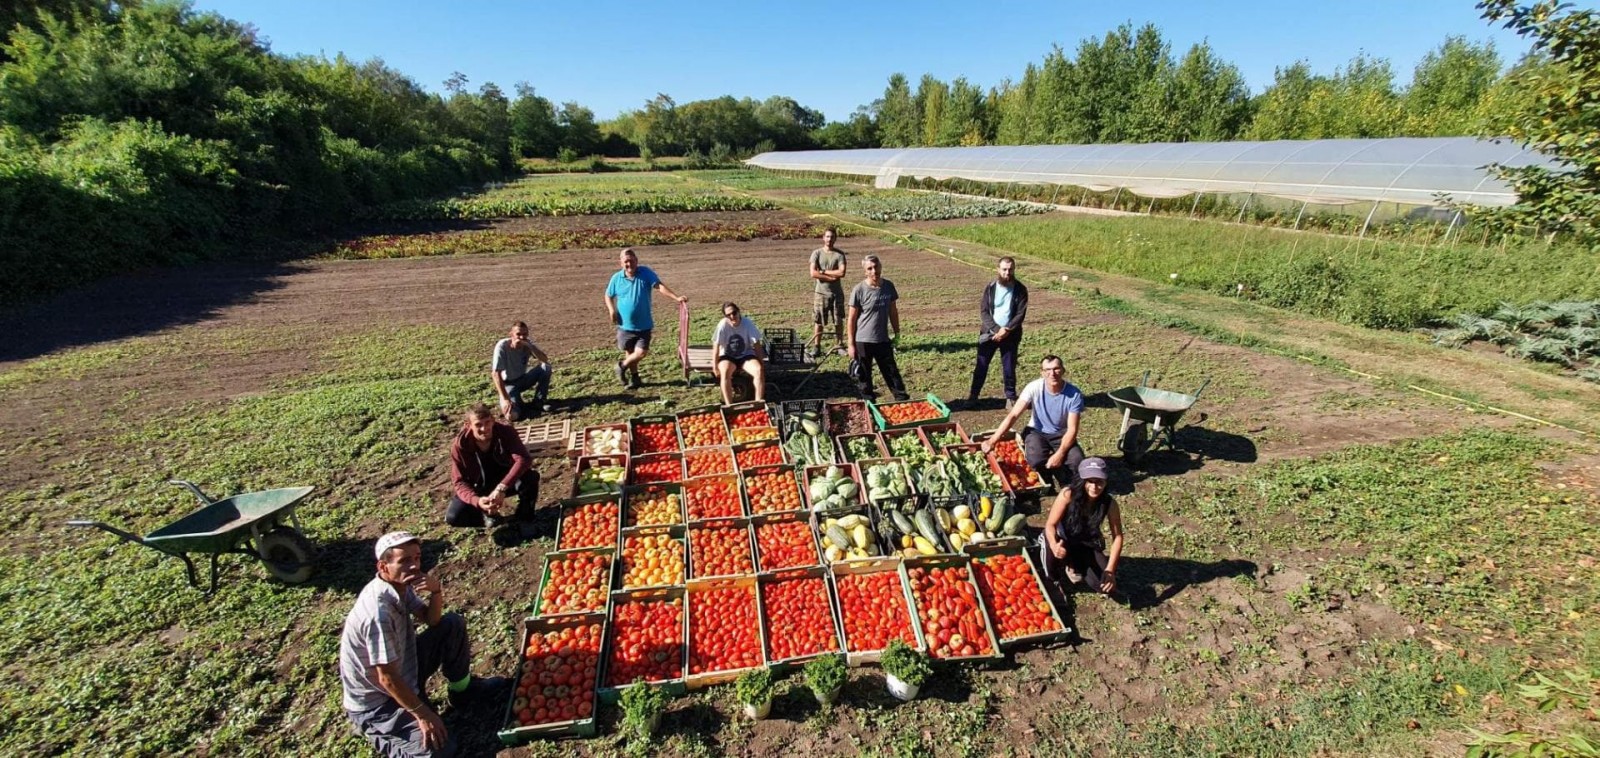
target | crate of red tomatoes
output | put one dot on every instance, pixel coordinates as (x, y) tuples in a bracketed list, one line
[(558, 677), (705, 461), (716, 496), (759, 453), (655, 468), (798, 621), (592, 521), (1016, 475), (720, 547), (702, 427), (1014, 594), (574, 581), (772, 489), (653, 434), (724, 630), (873, 605), (646, 642), (749, 422), (902, 414), (784, 541), (950, 609)]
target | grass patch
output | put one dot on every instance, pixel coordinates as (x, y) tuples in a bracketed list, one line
[(1370, 283), (491, 241), (753, 180)]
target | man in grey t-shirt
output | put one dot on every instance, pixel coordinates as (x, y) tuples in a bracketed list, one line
[(873, 312), (511, 375), (384, 663), (828, 267)]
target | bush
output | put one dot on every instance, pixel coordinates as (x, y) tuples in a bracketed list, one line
[(826, 675), (902, 662), (754, 687)]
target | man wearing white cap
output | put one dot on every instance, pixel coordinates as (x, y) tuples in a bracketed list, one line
[(384, 663)]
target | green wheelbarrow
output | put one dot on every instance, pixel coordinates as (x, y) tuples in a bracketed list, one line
[(1149, 417), (249, 524)]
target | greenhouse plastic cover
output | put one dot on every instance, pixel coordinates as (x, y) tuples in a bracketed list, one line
[(1414, 170)]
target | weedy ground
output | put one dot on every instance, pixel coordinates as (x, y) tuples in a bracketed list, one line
[(1334, 566)]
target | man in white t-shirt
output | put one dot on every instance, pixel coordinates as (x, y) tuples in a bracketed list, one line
[(1050, 440), (384, 664), (511, 374), (737, 343)]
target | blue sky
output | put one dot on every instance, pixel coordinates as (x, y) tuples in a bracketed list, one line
[(830, 55)]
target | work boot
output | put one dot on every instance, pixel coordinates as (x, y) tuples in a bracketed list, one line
[(635, 374), (481, 690), (622, 374)]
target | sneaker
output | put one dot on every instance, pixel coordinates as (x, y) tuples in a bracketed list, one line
[(1011, 402), (622, 375), (481, 690), (636, 384), (1073, 577)]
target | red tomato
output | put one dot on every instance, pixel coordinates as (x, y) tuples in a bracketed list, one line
[(768, 454), (873, 611), (799, 616), (703, 430), (724, 632), (591, 524), (720, 549), (785, 544), (713, 497), (655, 437), (1014, 599), (948, 607)]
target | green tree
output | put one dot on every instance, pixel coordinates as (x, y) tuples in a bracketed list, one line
[(899, 118), (1209, 99), (787, 123), (1014, 120), (1563, 122), (931, 97), (1447, 86), (534, 131), (962, 120), (579, 132)]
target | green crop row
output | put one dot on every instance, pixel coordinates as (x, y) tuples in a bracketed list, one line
[(475, 242), (749, 179), (901, 206), (482, 208)]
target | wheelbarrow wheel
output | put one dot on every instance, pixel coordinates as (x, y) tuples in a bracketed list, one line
[(1134, 443), (287, 553)]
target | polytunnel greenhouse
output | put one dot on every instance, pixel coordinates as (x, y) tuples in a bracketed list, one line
[(1286, 182)]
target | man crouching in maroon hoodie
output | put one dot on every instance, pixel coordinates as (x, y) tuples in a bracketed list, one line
[(488, 462)]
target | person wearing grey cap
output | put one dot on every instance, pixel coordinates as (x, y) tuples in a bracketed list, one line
[(384, 662), (1073, 546)]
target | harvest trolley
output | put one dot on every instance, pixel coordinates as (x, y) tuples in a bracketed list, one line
[(1145, 406)]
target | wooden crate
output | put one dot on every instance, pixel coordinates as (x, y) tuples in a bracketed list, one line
[(611, 693), (545, 436), (781, 665), (706, 410), (580, 439), (840, 445), (763, 519), (564, 555), (856, 656), (510, 733), (709, 678), (1019, 547), (737, 524), (571, 504), (586, 462), (633, 491), (807, 473), (952, 561), (676, 532)]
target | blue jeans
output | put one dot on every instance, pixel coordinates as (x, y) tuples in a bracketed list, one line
[(537, 377)]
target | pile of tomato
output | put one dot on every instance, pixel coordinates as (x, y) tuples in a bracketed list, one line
[(654, 505), (646, 641), (651, 469), (754, 434), (655, 437), (713, 497), (873, 610), (720, 549), (947, 609), (799, 617), (1014, 466), (712, 460), (703, 430), (773, 491), (591, 524), (785, 544), (1017, 605), (558, 676), (910, 412), (750, 419), (724, 633), (651, 560), (575, 583), (761, 455)]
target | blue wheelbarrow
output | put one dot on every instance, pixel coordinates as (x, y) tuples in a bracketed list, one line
[(261, 525)]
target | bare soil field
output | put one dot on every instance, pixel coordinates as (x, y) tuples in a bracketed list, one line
[(1191, 637)]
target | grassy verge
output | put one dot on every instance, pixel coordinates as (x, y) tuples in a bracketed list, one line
[(1376, 284), (574, 195), (753, 180)]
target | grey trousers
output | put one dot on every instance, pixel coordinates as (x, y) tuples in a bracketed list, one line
[(389, 729)]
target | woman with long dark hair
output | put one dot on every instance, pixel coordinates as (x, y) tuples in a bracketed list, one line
[(1073, 543)]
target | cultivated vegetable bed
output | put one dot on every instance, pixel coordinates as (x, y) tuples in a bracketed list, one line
[(686, 562)]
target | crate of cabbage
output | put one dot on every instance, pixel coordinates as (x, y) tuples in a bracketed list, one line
[(885, 478), (832, 487), (806, 440)]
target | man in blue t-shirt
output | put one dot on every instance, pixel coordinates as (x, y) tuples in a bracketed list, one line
[(1050, 440), (628, 300)]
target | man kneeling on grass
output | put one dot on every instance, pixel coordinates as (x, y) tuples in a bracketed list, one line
[(383, 662), (488, 462)]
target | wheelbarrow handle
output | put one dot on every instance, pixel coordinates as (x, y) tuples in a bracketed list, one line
[(192, 488), (1201, 388), (134, 538), (1144, 381)]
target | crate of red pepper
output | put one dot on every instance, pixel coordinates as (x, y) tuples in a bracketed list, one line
[(557, 679), (720, 547), (716, 496), (655, 468), (702, 427), (848, 417), (760, 453), (902, 414), (574, 581), (592, 521), (873, 604), (724, 631), (772, 489), (1015, 473), (949, 608), (1014, 594), (653, 434), (799, 622), (645, 642), (784, 541)]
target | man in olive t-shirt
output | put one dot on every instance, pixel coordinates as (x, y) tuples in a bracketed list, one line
[(828, 266)]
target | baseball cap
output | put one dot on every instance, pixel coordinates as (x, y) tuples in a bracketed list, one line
[(1092, 468), (393, 539)]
